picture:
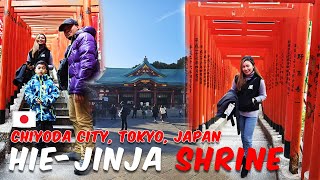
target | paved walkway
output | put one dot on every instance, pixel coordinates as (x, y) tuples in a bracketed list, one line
[(64, 170)]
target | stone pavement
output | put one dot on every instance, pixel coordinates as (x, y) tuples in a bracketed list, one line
[(64, 170)]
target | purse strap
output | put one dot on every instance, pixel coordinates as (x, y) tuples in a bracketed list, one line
[(69, 50)]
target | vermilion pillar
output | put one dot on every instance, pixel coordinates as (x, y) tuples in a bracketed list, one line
[(200, 74), (315, 148), (313, 73), (80, 16), (87, 13), (190, 70), (289, 103), (283, 77), (196, 105), (5, 60), (300, 62)]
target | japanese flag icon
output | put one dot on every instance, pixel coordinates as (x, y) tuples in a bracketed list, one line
[(24, 119)]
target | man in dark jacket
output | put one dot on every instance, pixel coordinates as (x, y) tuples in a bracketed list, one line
[(134, 111), (124, 112), (113, 112), (83, 67)]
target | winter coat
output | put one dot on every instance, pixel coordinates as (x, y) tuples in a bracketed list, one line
[(155, 112), (229, 97), (162, 110), (83, 60), (41, 55), (43, 88), (124, 112)]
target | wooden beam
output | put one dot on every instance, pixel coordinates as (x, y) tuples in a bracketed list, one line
[(242, 32), (222, 44), (44, 28), (46, 9), (44, 17), (265, 1), (50, 3), (242, 12), (95, 9), (46, 32), (43, 21), (68, 14), (243, 19), (230, 50), (251, 39), (237, 57), (244, 25)]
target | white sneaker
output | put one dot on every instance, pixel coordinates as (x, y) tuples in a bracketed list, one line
[(154, 120), (162, 121)]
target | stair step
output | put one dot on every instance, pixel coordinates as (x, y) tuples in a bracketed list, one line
[(61, 147), (63, 128), (60, 105), (59, 111), (25, 105), (62, 120), (25, 109), (61, 100), (62, 112)]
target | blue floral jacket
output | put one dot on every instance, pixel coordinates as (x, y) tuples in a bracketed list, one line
[(43, 88)]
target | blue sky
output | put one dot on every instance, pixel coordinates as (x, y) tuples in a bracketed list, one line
[(137, 28)]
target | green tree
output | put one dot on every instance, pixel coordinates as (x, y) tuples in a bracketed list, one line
[(160, 65)]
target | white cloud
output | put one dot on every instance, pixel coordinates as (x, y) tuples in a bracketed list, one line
[(167, 15)]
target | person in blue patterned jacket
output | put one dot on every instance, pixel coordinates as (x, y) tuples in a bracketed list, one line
[(41, 94)]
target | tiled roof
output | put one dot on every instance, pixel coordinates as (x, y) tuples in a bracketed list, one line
[(120, 76)]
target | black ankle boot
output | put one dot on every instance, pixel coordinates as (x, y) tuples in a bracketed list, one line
[(244, 171)]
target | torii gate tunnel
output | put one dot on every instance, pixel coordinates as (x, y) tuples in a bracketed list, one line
[(275, 34), (23, 20)]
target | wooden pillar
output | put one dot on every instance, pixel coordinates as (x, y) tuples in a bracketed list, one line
[(289, 104), (283, 77), (80, 16), (172, 98), (196, 103), (155, 95), (311, 156), (135, 95), (16, 57), (183, 92), (87, 13), (118, 96), (315, 148), (5, 59), (299, 75), (190, 28)]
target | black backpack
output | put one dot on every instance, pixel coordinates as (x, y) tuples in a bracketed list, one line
[(63, 74), (63, 70)]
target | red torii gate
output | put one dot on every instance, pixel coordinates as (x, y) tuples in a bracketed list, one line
[(217, 34)]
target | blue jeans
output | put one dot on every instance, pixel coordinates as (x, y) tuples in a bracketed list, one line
[(247, 125)]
